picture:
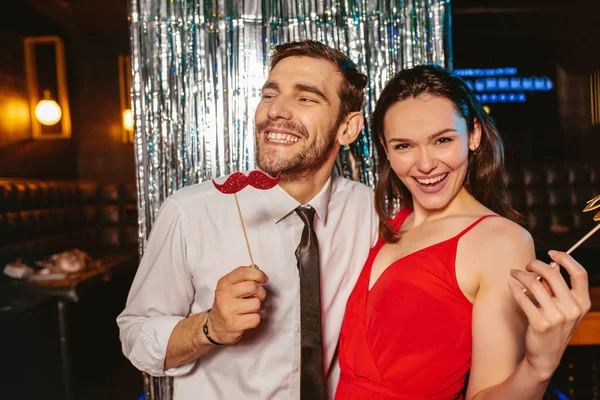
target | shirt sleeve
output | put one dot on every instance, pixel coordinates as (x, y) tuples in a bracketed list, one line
[(374, 224), (160, 296)]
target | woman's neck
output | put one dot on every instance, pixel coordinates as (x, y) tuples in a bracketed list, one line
[(462, 201)]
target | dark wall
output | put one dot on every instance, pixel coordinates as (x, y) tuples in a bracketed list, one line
[(101, 154), (19, 155), (544, 38), (95, 151)]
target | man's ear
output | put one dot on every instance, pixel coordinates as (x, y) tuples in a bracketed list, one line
[(475, 138), (350, 128)]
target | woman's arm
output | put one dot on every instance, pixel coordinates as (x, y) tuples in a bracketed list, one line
[(516, 345)]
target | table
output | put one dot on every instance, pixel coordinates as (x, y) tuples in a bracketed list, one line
[(67, 291)]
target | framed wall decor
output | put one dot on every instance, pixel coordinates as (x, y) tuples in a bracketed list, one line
[(125, 98), (595, 97), (47, 87)]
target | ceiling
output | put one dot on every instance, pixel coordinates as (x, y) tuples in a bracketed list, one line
[(106, 17), (109, 17)]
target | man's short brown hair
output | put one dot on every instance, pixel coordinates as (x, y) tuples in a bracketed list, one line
[(351, 91)]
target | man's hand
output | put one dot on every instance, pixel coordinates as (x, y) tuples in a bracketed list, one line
[(238, 298)]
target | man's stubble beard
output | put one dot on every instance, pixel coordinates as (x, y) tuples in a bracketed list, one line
[(303, 164)]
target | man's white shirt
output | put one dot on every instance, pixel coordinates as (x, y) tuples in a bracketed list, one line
[(197, 238)]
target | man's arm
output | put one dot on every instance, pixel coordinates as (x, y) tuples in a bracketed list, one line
[(160, 296), (158, 334), (187, 342), (238, 298)]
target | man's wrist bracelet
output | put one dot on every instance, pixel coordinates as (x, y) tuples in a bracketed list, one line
[(205, 330)]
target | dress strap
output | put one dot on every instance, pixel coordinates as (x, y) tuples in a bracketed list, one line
[(474, 224), (401, 217), (396, 222)]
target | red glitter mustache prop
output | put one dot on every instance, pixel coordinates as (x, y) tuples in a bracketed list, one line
[(236, 182)]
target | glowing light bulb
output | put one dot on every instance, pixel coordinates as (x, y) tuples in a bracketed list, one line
[(128, 120), (47, 111)]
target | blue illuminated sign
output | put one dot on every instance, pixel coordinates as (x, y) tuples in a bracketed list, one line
[(515, 83), (501, 98), (479, 85), (502, 85), (485, 72)]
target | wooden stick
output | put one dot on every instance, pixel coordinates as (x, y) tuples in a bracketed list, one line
[(576, 245), (237, 203), (591, 206), (583, 239)]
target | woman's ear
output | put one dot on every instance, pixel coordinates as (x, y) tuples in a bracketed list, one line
[(475, 137), (351, 128)]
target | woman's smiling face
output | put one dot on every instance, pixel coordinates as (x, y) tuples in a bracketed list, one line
[(427, 144)]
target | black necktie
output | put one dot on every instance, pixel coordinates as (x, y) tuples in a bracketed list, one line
[(312, 379)]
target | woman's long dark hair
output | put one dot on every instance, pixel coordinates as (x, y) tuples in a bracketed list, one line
[(486, 174)]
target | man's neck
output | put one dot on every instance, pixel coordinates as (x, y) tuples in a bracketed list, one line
[(305, 187)]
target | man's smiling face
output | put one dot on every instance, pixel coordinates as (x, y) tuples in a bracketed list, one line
[(295, 121)]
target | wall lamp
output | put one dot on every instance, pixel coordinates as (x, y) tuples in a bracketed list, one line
[(47, 87)]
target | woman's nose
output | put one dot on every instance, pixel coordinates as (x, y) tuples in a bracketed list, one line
[(426, 162)]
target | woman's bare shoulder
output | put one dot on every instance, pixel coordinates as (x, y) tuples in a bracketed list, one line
[(505, 230), (502, 244)]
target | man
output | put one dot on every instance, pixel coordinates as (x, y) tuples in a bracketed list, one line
[(235, 333)]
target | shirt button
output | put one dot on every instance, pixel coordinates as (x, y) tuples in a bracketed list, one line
[(298, 330), (298, 367)]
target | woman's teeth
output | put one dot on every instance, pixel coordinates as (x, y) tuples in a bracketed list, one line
[(431, 181), (281, 137)]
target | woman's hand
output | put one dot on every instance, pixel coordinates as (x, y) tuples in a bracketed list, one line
[(559, 310)]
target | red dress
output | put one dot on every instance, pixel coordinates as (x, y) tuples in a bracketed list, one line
[(409, 337)]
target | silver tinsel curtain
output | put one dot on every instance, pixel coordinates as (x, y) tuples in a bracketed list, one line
[(198, 67)]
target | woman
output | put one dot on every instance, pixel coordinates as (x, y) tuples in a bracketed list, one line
[(444, 291)]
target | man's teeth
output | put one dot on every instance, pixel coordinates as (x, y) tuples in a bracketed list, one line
[(430, 181), (281, 137)]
